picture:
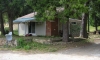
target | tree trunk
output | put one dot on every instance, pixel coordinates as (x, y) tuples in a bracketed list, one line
[(88, 25), (66, 31), (2, 24), (96, 26), (10, 17), (83, 32)]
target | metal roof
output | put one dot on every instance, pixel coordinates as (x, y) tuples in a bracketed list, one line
[(20, 20), (30, 15)]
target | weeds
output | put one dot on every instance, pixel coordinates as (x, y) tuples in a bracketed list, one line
[(35, 46), (23, 44), (27, 45)]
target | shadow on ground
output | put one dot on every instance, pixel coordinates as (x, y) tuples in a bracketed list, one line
[(88, 50)]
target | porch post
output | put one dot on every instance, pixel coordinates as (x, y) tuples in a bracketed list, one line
[(25, 28)]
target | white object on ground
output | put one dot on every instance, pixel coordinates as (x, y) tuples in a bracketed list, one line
[(9, 36)]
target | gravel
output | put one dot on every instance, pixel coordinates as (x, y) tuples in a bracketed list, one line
[(49, 56)]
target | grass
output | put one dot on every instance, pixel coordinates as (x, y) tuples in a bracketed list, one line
[(92, 29), (26, 45), (35, 47), (16, 32), (31, 46)]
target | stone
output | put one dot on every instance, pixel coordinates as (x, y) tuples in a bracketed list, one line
[(12, 43)]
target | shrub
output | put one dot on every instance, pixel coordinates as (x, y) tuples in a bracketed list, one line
[(27, 47), (20, 42)]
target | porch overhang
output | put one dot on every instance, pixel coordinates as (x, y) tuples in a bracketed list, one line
[(22, 20)]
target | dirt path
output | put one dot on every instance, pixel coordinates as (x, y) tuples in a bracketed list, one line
[(47, 56), (91, 52)]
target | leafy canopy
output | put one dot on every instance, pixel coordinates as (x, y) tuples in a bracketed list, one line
[(62, 9), (95, 12)]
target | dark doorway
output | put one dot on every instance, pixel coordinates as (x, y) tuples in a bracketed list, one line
[(31, 27)]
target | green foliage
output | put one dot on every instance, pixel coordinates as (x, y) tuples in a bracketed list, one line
[(21, 43), (12, 9), (25, 44), (6, 30), (39, 46), (27, 47), (47, 9), (31, 45), (15, 7), (95, 12), (15, 32), (5, 18), (61, 9), (75, 28)]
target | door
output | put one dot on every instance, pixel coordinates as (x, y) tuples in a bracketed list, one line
[(32, 27)]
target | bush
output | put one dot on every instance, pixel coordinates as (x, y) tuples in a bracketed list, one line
[(27, 47), (20, 42), (23, 44)]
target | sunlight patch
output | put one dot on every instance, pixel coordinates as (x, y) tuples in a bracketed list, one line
[(0, 32)]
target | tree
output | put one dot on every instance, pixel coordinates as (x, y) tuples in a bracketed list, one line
[(2, 9), (95, 13), (85, 16), (46, 10), (13, 6), (75, 9), (94, 21), (14, 9), (2, 24)]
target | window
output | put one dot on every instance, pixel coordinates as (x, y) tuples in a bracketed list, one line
[(74, 23)]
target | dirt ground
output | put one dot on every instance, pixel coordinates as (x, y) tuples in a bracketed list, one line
[(90, 52)]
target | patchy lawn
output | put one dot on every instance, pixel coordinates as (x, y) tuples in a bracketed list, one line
[(92, 29), (31, 46)]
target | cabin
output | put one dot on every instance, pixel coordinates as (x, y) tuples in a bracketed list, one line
[(28, 25)]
